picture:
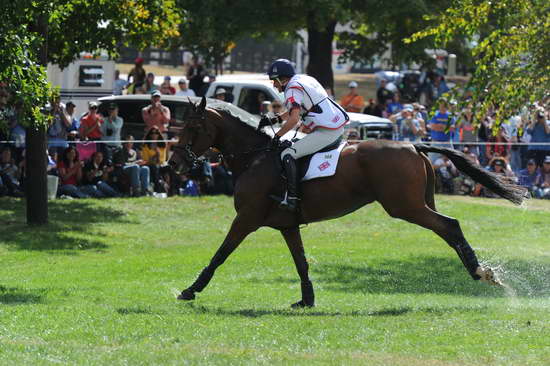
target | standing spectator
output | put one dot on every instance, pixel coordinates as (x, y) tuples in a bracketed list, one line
[(441, 125), (169, 89), (9, 175), (542, 183), (539, 129), (196, 74), (127, 160), (69, 115), (207, 81), (409, 126), (57, 131), (383, 94), (370, 108), (528, 176), (137, 74), (90, 124), (119, 84), (110, 131), (156, 114), (8, 113), (394, 106), (503, 147), (352, 102), (70, 174), (154, 153), (467, 130), (95, 177), (184, 91), (149, 86), (220, 94)]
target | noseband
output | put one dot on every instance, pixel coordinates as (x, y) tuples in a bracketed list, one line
[(188, 155)]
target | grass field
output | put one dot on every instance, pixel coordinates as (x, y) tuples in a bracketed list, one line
[(98, 286)]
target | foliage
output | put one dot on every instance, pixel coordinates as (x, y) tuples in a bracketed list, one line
[(34, 33), (511, 53), (97, 287), (378, 28)]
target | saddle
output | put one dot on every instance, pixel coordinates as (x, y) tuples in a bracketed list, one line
[(304, 162)]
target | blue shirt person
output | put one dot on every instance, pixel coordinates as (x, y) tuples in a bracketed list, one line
[(440, 122)]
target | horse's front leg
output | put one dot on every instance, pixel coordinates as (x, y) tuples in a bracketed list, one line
[(240, 228), (294, 241)]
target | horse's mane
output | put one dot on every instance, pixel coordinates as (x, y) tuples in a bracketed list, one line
[(248, 120)]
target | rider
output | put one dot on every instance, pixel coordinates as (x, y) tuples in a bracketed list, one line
[(305, 98)]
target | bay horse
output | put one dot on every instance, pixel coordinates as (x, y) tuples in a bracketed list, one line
[(397, 175)]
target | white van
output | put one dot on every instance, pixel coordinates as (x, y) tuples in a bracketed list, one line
[(247, 91)]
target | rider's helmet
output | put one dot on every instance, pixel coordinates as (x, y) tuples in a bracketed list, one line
[(281, 67)]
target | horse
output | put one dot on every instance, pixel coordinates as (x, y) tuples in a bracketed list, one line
[(398, 175)]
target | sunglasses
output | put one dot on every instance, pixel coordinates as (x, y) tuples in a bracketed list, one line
[(93, 107), (277, 106)]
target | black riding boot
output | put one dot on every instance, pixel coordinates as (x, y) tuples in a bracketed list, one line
[(290, 201)]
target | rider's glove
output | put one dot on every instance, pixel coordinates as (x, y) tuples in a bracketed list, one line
[(275, 142)]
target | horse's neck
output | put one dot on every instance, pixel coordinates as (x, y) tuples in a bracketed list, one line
[(237, 144)]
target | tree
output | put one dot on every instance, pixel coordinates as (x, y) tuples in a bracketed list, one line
[(510, 49), (37, 32)]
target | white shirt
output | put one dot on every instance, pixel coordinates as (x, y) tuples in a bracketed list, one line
[(304, 92), (186, 93)]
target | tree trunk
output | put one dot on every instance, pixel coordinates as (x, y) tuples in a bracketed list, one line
[(36, 185), (319, 45)]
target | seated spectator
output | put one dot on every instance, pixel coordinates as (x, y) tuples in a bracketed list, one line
[(498, 165), (352, 102), (110, 132), (166, 87), (70, 174), (529, 175), (184, 91), (95, 177), (128, 163), (156, 114), (9, 175), (502, 149), (445, 172), (220, 94), (154, 153), (542, 183), (149, 85)]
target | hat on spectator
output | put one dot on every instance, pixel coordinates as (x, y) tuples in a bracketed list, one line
[(139, 61), (352, 84), (113, 106), (156, 93), (69, 103), (92, 104), (167, 77), (547, 159), (220, 91), (499, 162), (408, 108), (531, 162), (183, 81)]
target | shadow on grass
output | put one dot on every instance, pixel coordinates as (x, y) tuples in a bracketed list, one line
[(426, 275), (385, 312), (16, 296), (71, 223)]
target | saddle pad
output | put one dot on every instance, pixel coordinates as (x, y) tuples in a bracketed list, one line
[(323, 164)]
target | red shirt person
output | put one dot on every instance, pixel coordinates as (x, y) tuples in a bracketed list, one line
[(90, 124)]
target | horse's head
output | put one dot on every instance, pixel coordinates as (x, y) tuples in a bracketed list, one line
[(196, 137)]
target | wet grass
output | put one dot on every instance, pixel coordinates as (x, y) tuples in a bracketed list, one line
[(98, 285)]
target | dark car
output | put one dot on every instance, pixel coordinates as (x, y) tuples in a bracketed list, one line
[(130, 106)]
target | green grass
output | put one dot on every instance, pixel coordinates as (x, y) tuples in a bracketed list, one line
[(98, 285)]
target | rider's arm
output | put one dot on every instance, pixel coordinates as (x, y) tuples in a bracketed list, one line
[(291, 122)]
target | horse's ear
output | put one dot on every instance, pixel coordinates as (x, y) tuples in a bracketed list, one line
[(202, 106), (193, 106)]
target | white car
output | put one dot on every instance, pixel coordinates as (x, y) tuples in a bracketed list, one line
[(247, 91), (370, 126)]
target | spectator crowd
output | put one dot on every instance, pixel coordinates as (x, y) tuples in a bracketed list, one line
[(91, 157)]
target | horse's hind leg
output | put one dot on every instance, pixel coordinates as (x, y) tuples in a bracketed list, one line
[(446, 227), (430, 182), (240, 228), (294, 241)]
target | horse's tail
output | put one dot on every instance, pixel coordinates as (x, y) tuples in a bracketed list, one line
[(494, 182)]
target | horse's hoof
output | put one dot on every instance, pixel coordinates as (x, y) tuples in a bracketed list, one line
[(301, 304), (488, 276), (186, 295)]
